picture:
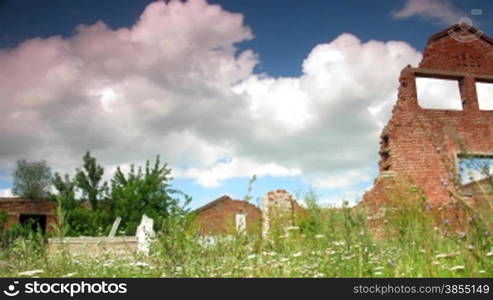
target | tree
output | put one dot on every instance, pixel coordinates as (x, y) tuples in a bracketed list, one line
[(32, 179), (89, 180), (66, 191), (145, 192)]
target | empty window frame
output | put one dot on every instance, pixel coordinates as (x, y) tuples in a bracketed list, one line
[(474, 167), (436, 93), (484, 91)]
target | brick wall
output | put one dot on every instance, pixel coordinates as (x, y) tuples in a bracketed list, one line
[(420, 146)]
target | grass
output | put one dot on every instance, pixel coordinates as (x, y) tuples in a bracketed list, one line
[(407, 241)]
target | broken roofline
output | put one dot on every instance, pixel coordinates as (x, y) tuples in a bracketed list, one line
[(220, 200), (458, 28)]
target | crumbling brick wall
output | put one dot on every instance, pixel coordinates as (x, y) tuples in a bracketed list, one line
[(421, 146), (279, 206)]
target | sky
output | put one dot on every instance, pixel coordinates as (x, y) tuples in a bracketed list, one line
[(294, 92)]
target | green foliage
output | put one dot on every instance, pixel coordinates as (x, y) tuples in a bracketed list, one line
[(3, 219), (22, 231), (144, 192), (31, 179), (87, 222), (313, 219), (89, 178), (66, 192), (141, 191)]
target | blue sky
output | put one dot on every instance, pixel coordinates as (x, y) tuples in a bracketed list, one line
[(293, 91)]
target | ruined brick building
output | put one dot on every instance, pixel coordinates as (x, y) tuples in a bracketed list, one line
[(227, 216), (423, 147), (35, 211)]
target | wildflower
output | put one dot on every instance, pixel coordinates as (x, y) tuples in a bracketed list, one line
[(443, 255), (284, 259), (178, 269), (251, 256), (482, 271), (462, 234), (107, 264), (30, 273), (377, 273), (470, 247), (297, 254), (292, 228), (330, 251), (319, 236), (457, 268), (139, 264), (489, 253)]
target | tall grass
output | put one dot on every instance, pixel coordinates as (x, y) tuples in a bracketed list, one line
[(407, 240)]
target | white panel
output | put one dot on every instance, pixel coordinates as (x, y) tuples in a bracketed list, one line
[(240, 222)]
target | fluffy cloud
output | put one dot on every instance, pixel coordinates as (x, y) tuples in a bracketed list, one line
[(174, 84), (440, 11), (327, 121), (6, 193), (125, 93)]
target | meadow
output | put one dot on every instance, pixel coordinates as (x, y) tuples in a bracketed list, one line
[(405, 240)]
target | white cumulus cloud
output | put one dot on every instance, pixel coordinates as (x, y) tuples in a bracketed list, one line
[(175, 84)]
